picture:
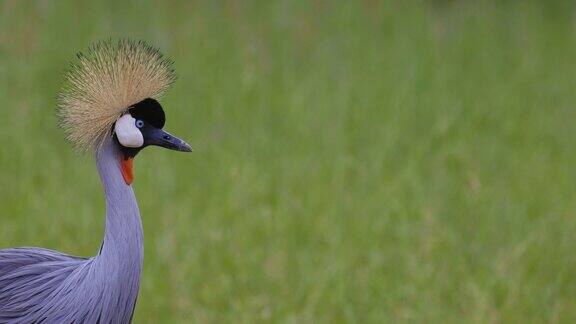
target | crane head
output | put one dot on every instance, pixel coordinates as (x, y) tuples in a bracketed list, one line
[(143, 126), (111, 92)]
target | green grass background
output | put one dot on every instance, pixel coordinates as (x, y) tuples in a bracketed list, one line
[(355, 161)]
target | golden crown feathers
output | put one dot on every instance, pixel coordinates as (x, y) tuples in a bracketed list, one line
[(104, 83)]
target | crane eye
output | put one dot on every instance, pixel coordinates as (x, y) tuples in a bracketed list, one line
[(139, 123)]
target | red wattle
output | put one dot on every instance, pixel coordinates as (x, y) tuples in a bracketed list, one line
[(127, 168)]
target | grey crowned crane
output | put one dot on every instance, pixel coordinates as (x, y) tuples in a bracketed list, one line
[(109, 107)]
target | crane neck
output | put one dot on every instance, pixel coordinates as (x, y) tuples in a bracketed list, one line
[(122, 248)]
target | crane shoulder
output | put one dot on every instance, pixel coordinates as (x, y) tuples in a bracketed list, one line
[(28, 275), (13, 258)]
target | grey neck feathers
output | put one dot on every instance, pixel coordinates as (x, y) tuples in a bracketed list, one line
[(43, 286), (121, 254)]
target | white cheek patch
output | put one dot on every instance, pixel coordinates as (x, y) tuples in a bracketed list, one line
[(127, 133)]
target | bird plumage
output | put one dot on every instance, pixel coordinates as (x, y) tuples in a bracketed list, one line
[(43, 286)]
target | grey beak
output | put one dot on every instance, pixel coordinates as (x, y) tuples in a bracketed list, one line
[(164, 139)]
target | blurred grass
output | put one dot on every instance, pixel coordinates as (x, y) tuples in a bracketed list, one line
[(358, 162)]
